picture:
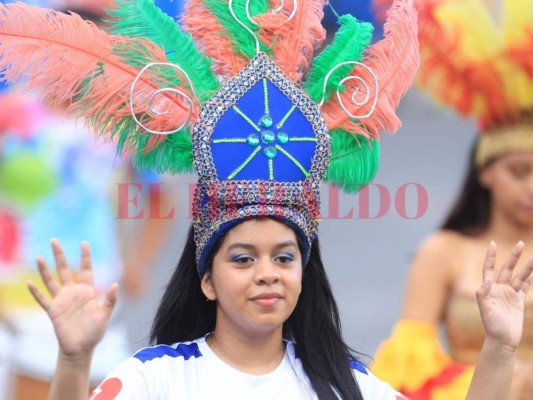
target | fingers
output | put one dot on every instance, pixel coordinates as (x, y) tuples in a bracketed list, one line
[(484, 290), (65, 274), (490, 262), (39, 297), (524, 278), (506, 272), (110, 298), (48, 280), (86, 272)]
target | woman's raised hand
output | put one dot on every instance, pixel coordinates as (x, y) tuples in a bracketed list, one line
[(502, 300), (78, 316)]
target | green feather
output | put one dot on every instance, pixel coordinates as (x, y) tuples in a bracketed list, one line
[(142, 18), (173, 156), (354, 160), (242, 40), (350, 41)]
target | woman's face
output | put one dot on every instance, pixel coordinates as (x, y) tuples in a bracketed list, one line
[(510, 181), (256, 277)]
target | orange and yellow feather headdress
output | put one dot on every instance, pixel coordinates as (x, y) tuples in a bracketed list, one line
[(477, 57)]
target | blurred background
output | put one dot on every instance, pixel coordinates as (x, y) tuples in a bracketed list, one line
[(57, 181)]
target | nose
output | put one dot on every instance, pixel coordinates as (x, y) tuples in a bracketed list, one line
[(266, 272)]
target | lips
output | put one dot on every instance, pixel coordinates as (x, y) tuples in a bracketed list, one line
[(266, 299), (266, 296)]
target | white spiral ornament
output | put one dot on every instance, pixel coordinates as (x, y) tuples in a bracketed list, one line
[(360, 82), (160, 92)]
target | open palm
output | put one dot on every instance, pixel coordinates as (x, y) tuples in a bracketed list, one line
[(78, 317), (501, 301)]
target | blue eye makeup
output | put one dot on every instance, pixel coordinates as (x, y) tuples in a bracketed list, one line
[(241, 258), (286, 257)]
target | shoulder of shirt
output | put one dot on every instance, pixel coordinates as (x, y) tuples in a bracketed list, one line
[(354, 364), (357, 366), (371, 386), (185, 350)]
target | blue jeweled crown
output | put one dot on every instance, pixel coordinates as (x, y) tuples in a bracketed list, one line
[(261, 148)]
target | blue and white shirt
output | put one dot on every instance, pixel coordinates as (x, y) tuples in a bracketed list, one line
[(191, 371)]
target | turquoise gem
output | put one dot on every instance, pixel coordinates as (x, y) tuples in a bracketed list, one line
[(270, 152), (266, 121), (283, 137), (268, 137), (252, 140)]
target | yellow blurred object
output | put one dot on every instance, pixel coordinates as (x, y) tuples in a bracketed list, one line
[(14, 292), (413, 361), (478, 60)]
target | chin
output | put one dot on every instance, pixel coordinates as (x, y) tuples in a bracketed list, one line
[(266, 324), (525, 220)]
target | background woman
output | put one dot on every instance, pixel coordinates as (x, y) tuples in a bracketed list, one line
[(479, 66)]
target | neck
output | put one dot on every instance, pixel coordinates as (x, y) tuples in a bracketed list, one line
[(256, 354), (503, 230)]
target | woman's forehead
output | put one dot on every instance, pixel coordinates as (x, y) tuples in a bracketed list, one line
[(260, 230), (525, 157)]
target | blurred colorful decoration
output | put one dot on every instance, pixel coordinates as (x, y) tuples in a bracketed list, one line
[(18, 114), (10, 237), (25, 179), (54, 182), (79, 210)]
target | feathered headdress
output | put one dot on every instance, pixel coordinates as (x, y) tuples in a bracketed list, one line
[(478, 60), (235, 93)]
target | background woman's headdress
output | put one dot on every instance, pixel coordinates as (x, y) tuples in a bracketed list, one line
[(235, 93), (476, 56)]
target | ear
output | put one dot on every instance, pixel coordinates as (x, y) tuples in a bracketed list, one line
[(486, 176), (207, 287)]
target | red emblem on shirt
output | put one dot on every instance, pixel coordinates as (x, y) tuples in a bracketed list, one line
[(108, 390)]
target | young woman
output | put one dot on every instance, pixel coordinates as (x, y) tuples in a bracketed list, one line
[(495, 204), (258, 324)]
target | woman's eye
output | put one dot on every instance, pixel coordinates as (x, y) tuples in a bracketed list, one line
[(242, 259), (284, 258), (519, 171)]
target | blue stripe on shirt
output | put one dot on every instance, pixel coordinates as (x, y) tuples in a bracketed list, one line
[(182, 350), (358, 366)]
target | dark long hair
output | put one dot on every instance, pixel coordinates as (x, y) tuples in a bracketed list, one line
[(471, 213), (184, 315)]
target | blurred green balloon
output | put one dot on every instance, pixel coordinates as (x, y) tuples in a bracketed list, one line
[(25, 179)]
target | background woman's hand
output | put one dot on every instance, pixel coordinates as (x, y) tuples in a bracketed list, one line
[(78, 317), (501, 301)]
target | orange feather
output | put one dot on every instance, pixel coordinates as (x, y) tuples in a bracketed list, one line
[(205, 29), (520, 53), (293, 42), (394, 61), (71, 60), (451, 80)]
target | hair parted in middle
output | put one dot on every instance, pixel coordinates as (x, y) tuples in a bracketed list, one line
[(314, 326)]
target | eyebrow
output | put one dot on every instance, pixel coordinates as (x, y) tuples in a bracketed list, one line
[(250, 246)]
